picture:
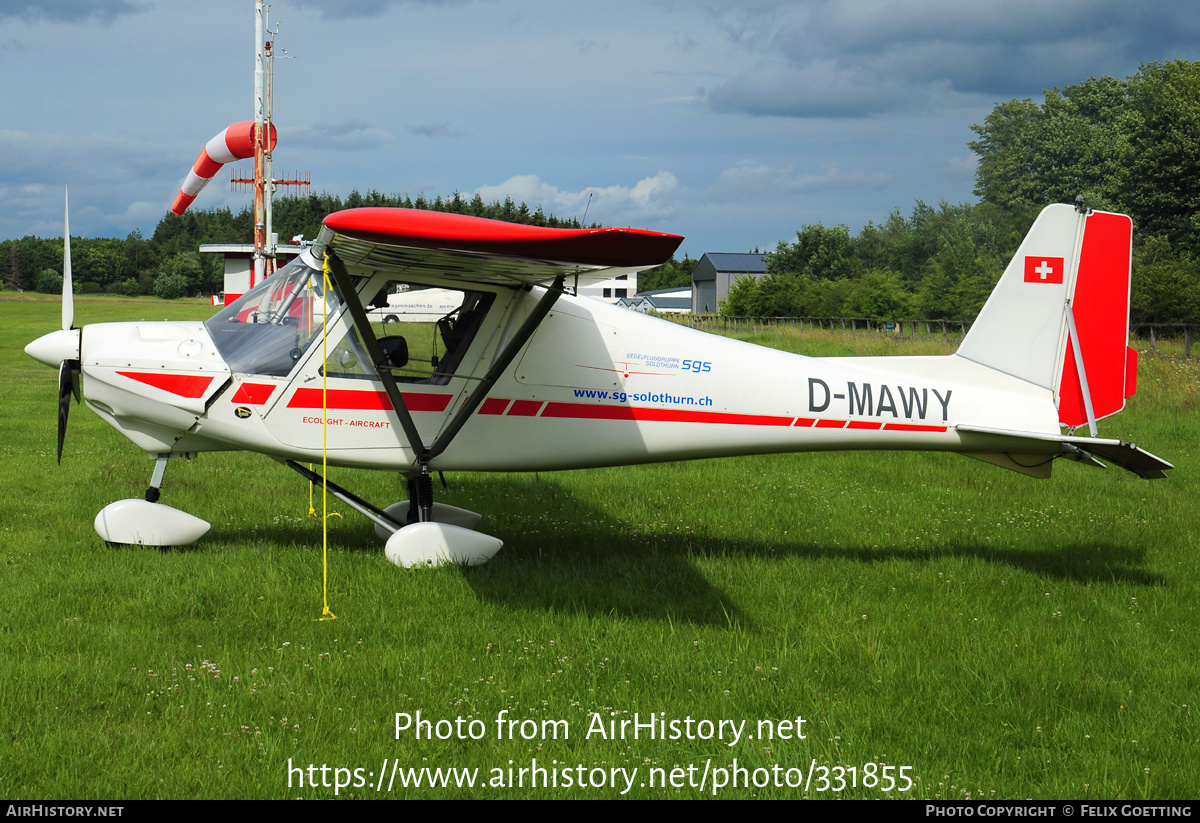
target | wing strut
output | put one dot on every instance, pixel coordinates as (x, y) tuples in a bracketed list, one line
[(342, 279), (499, 364), (363, 507)]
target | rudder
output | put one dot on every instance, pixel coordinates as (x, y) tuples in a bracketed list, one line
[(1100, 307)]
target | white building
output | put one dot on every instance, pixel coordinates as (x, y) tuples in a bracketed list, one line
[(610, 291), (661, 301)]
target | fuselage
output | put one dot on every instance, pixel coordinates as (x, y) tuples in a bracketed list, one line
[(596, 385)]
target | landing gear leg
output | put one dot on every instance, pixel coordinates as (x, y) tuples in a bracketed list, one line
[(423, 485), (432, 537), (156, 479)]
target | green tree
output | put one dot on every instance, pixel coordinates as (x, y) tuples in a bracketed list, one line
[(1163, 289), (742, 297), (170, 286), (12, 272), (879, 295), (819, 252), (189, 267), (1128, 145), (1163, 195), (1078, 142), (49, 282)]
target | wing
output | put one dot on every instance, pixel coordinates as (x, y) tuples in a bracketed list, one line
[(473, 249)]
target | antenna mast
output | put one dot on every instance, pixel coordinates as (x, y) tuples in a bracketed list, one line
[(263, 181), (260, 152)]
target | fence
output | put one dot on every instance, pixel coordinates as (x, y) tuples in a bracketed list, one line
[(1153, 334)]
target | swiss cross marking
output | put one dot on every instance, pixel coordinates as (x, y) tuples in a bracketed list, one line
[(1040, 269)]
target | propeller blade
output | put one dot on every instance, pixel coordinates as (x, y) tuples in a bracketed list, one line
[(68, 298), (65, 391)]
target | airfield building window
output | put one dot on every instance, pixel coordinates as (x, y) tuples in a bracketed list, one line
[(422, 331), (269, 328)]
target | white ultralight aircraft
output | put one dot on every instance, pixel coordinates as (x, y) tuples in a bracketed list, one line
[(523, 375)]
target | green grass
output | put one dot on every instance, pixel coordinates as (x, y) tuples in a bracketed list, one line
[(992, 632)]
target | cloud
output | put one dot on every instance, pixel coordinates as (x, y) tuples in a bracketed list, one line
[(818, 89), (748, 22), (361, 9), (752, 179), (36, 158), (70, 11), (858, 58), (649, 198), (111, 180), (588, 46), (685, 42), (434, 130), (680, 100), (346, 135), (961, 167)]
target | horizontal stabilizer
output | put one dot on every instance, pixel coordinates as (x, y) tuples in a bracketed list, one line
[(1081, 449)]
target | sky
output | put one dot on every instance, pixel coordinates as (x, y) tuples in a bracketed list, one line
[(732, 123)]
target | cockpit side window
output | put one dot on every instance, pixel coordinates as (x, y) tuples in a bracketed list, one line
[(423, 332)]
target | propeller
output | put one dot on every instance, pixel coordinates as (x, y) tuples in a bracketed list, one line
[(63, 346), (68, 297), (65, 383), (68, 369)]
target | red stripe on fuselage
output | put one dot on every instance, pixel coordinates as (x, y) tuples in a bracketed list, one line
[(525, 408), (494, 405), (253, 394), (356, 399), (184, 385), (908, 427)]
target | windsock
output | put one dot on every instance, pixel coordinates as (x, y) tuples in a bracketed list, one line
[(234, 143)]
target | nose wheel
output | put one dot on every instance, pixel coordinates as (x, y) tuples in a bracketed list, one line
[(147, 522)]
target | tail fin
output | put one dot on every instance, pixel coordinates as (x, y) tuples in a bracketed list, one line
[(1059, 317)]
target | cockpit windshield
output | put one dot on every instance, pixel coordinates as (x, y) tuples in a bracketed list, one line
[(268, 329)]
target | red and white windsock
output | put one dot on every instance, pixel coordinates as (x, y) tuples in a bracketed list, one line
[(234, 143)]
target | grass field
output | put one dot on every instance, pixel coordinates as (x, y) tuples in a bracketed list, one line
[(996, 635)]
